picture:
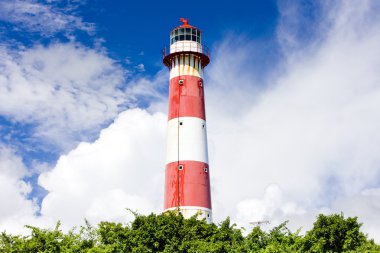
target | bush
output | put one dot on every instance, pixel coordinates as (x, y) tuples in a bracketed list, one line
[(172, 233)]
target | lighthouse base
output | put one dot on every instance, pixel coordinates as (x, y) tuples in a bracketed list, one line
[(189, 211)]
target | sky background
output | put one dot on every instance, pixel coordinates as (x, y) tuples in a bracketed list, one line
[(292, 101)]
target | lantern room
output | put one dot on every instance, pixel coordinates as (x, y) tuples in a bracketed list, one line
[(186, 38), (185, 42), (189, 34), (185, 32)]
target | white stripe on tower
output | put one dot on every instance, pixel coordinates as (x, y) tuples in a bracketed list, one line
[(188, 142)]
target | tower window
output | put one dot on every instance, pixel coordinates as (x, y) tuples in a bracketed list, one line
[(181, 34), (200, 84), (180, 167), (181, 81), (180, 123), (205, 169)]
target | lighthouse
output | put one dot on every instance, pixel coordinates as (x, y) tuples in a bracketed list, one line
[(187, 172)]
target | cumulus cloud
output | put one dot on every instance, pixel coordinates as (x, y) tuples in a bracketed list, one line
[(65, 89), (43, 18), (271, 206), (313, 130), (15, 208), (124, 168)]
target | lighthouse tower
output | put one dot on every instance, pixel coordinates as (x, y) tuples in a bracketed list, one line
[(187, 180)]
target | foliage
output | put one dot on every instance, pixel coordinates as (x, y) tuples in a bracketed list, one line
[(172, 233), (334, 233)]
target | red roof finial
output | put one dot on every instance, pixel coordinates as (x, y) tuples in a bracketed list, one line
[(184, 21)]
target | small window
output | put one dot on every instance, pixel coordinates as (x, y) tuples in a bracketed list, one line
[(188, 37), (200, 84), (182, 37), (180, 123), (203, 126), (181, 81), (205, 170), (180, 167), (208, 215), (188, 30)]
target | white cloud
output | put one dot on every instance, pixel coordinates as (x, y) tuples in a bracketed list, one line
[(313, 131), (272, 205), (15, 207), (148, 89), (140, 67), (65, 89), (38, 17), (124, 168)]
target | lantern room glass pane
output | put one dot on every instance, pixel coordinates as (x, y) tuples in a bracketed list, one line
[(198, 33), (181, 31), (182, 37), (188, 30), (198, 40), (175, 38), (194, 38), (176, 32), (188, 37), (194, 32)]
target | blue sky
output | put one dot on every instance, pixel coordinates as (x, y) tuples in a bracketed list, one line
[(292, 95)]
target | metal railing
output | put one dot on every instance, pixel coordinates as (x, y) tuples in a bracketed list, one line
[(186, 46)]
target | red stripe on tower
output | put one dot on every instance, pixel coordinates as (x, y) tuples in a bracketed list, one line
[(187, 181), (186, 97)]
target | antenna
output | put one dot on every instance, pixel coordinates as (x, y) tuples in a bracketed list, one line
[(259, 223)]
